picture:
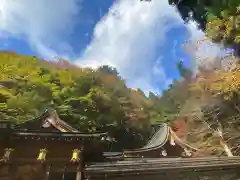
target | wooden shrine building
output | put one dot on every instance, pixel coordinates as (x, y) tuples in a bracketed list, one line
[(47, 148), (164, 142)]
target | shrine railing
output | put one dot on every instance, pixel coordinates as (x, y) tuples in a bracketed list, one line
[(167, 168)]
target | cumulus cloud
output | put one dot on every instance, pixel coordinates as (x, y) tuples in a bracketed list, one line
[(42, 22), (204, 52), (128, 38)]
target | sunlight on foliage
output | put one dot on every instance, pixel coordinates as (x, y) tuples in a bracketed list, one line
[(89, 100)]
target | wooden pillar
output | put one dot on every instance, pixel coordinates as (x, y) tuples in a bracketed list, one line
[(64, 171), (12, 171), (79, 172), (79, 167), (47, 171)]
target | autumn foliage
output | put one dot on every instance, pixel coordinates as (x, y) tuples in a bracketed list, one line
[(91, 100)]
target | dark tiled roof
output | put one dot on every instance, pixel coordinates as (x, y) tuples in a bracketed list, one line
[(158, 140), (45, 116), (52, 118), (60, 122)]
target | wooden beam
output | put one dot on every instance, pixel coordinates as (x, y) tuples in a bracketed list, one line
[(64, 171), (80, 166)]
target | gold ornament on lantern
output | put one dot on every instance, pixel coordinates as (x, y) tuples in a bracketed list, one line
[(7, 154), (42, 155), (75, 155)]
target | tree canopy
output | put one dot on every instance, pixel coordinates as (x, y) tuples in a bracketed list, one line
[(99, 100), (89, 99), (219, 19)]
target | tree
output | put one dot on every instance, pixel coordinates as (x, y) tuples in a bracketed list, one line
[(105, 69), (218, 101), (219, 19), (191, 10), (185, 72), (91, 100)]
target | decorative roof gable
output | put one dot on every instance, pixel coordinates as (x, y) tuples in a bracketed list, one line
[(48, 121)]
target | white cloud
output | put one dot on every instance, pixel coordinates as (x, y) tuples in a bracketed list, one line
[(127, 38), (205, 53), (43, 22)]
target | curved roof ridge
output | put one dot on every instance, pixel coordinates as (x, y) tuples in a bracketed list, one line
[(158, 140), (58, 122)]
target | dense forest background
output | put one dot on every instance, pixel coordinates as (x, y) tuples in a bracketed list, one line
[(99, 100), (91, 100)]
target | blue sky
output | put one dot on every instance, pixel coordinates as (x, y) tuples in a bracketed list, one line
[(141, 39)]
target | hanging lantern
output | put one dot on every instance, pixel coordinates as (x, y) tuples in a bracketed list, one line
[(164, 152), (75, 156), (42, 155), (7, 154)]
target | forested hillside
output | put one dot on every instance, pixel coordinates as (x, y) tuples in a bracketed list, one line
[(91, 100), (211, 112), (99, 100)]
